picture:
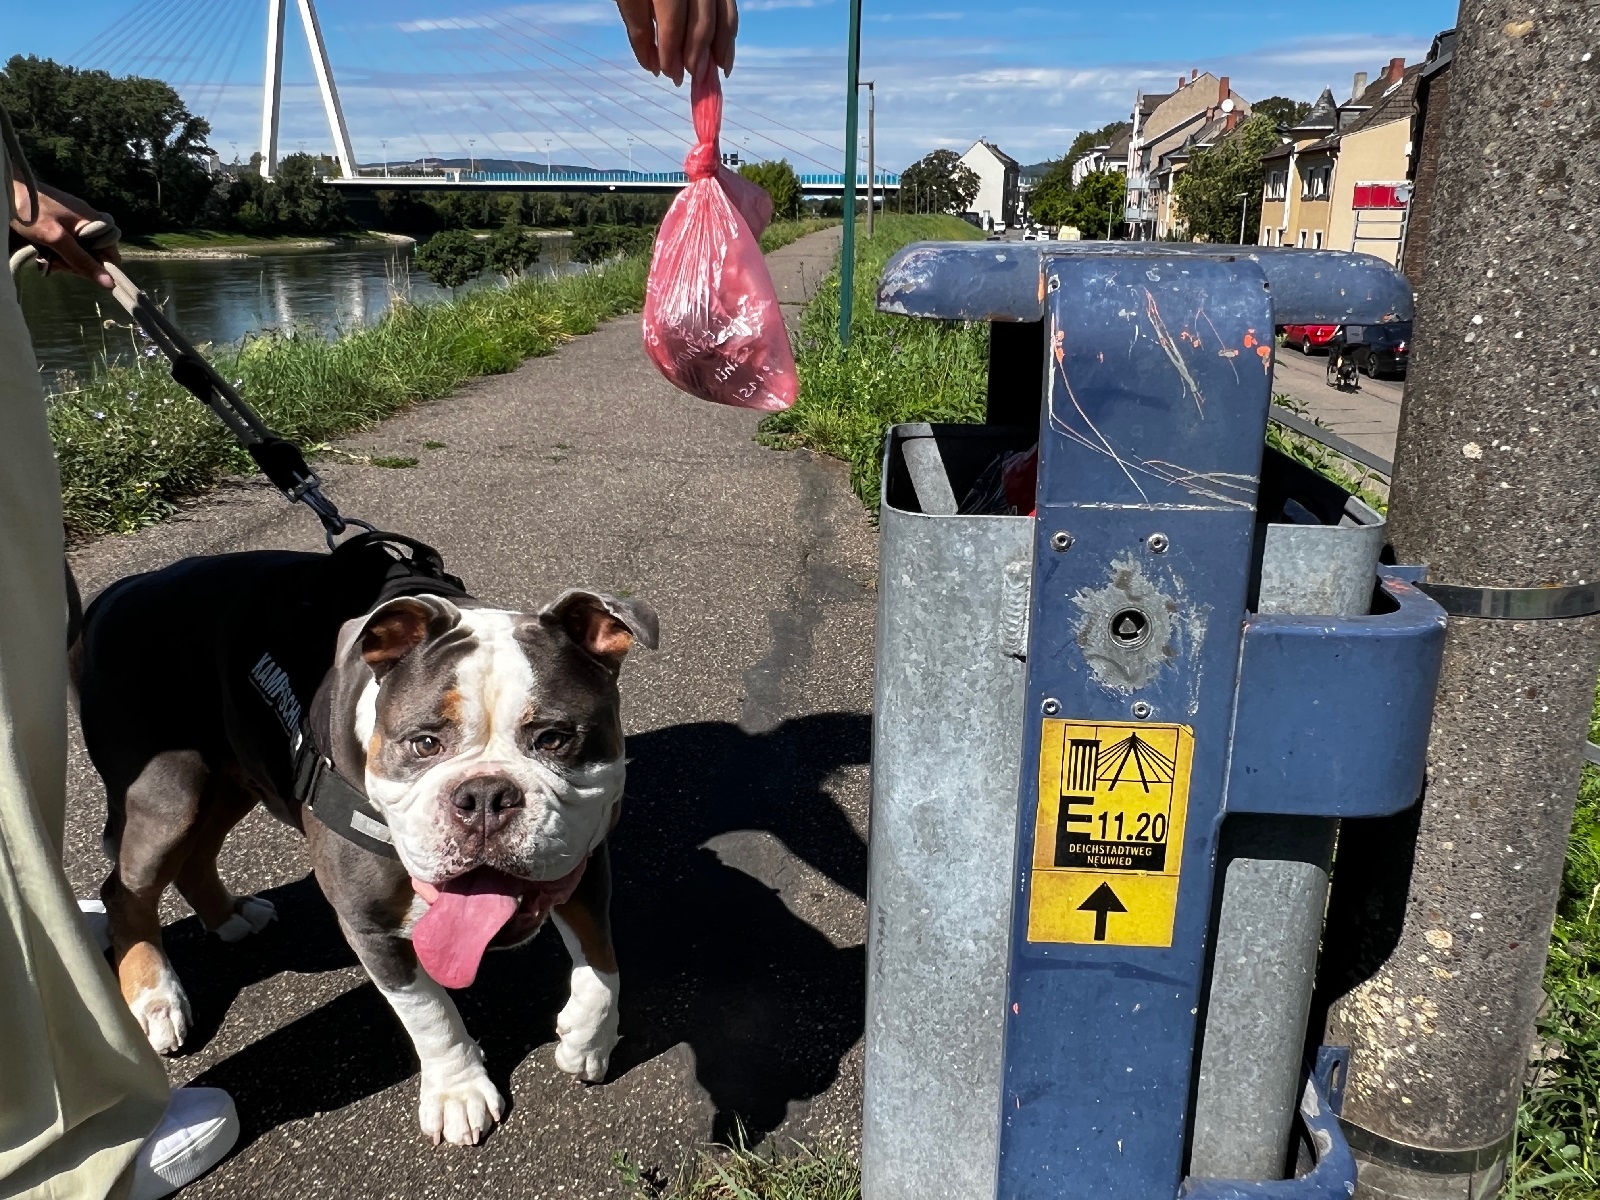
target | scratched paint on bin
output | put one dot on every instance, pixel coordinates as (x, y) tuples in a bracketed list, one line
[(1108, 832)]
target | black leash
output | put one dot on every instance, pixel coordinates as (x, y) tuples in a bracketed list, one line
[(281, 460)]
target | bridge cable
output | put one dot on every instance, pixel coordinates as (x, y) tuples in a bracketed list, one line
[(226, 80), (579, 102), (208, 54), (627, 71), (530, 115), (114, 33), (676, 134), (581, 105)]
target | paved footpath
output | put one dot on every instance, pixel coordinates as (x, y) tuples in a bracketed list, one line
[(741, 855)]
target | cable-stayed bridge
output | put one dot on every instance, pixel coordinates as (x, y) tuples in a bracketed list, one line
[(509, 85)]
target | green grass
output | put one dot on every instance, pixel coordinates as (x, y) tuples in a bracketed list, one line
[(896, 369), (131, 443), (1557, 1155), (739, 1173), (1351, 476)]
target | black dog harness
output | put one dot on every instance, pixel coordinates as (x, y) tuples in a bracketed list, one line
[(290, 673)]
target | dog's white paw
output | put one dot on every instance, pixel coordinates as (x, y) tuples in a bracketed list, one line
[(459, 1106), (251, 914), (587, 1026), (162, 1011)]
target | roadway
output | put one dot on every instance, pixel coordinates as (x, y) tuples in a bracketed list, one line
[(1370, 417)]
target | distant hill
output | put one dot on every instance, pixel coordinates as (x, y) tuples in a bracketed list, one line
[(1037, 170)]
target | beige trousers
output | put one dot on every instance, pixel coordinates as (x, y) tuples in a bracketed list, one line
[(80, 1088)]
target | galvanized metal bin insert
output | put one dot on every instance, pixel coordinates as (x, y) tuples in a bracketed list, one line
[(947, 741)]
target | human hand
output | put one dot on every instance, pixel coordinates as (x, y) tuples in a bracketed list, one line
[(53, 232), (672, 36)]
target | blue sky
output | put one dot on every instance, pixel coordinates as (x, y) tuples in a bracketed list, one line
[(453, 77)]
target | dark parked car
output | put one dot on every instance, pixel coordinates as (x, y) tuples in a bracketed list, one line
[(1375, 349)]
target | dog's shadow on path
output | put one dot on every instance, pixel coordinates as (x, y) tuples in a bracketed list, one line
[(709, 954)]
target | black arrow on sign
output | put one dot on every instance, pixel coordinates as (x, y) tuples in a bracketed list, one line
[(1100, 902)]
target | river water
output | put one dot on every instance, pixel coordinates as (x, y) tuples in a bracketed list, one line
[(220, 300)]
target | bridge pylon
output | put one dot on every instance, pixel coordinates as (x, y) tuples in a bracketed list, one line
[(272, 89)]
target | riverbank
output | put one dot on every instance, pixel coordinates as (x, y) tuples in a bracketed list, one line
[(132, 444), (206, 243)]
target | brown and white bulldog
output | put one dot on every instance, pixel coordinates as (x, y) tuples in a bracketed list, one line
[(468, 759)]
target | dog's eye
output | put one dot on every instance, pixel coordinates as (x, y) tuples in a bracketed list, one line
[(426, 746), (552, 741)]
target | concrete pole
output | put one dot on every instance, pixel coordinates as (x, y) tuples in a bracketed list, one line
[(330, 93), (1495, 485), (272, 89)]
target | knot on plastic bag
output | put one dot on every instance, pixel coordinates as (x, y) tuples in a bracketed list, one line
[(702, 162)]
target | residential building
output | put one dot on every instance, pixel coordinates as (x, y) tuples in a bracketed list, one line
[(1162, 123), (1348, 189), (1427, 132), (1280, 202), (1112, 156), (999, 177), (1221, 122)]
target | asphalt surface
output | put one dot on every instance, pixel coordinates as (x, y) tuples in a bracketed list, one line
[(741, 855), (1370, 417)]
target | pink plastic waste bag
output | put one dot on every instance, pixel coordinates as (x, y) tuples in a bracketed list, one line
[(712, 324)]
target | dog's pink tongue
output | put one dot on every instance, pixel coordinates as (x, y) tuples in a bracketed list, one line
[(457, 928)]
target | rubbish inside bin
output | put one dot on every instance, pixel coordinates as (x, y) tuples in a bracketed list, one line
[(1007, 486)]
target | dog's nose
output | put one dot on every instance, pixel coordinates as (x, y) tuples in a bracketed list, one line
[(487, 800)]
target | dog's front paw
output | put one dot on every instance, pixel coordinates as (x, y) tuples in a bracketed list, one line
[(251, 914), (460, 1106), (587, 1026), (162, 1011)]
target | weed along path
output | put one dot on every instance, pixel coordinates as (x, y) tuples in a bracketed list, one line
[(740, 857)]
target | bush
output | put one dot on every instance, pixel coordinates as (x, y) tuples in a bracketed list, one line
[(780, 182), (596, 243), (512, 250), (452, 257)]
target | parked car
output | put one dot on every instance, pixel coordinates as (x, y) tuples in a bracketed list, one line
[(1375, 349), (1309, 337)]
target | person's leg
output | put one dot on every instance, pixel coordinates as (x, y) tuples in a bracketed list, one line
[(82, 1088)]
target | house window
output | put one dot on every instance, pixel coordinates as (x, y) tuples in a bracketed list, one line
[(1316, 241), (1302, 242), (1277, 185), (1316, 184)]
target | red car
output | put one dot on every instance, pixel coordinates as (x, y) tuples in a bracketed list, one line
[(1309, 337)]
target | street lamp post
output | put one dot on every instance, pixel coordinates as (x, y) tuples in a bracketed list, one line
[(547, 167), (1244, 208), (472, 158), (630, 156), (872, 157), (385, 142)]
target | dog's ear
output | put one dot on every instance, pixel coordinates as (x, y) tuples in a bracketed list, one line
[(604, 626), (395, 629)]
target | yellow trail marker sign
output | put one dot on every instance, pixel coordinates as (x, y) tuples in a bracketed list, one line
[(1108, 833)]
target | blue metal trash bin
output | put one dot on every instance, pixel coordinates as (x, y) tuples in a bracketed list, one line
[(1140, 696)]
